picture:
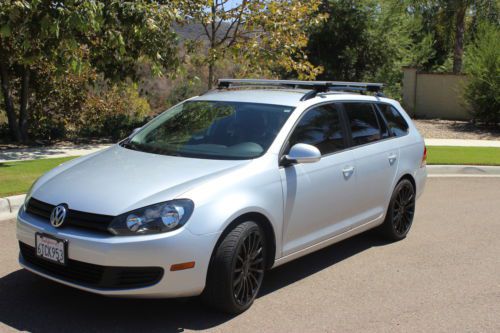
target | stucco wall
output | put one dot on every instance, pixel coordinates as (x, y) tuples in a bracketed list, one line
[(434, 95)]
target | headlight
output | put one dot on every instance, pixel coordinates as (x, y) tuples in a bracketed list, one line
[(154, 219)]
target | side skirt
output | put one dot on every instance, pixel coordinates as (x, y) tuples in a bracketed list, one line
[(335, 239)]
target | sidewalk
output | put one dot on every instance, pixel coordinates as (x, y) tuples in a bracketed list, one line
[(462, 143), (35, 153)]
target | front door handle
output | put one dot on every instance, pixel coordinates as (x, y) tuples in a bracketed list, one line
[(392, 158), (348, 171)]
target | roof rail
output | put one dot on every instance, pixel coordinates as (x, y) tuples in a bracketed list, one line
[(315, 86)]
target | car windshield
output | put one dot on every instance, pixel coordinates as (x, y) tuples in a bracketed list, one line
[(212, 129)]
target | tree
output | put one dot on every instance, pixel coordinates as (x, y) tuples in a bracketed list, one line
[(482, 66), (369, 40), (460, 8), (110, 36), (263, 35)]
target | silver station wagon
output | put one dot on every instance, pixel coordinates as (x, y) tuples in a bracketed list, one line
[(210, 194)]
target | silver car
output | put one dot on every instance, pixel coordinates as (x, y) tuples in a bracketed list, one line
[(210, 194)]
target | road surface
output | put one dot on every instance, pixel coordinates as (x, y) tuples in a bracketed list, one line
[(444, 277)]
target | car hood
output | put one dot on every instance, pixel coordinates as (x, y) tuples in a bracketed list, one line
[(118, 180)]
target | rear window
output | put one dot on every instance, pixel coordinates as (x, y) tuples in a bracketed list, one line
[(396, 123)]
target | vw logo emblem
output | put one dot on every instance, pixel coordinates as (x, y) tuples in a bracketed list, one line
[(58, 216)]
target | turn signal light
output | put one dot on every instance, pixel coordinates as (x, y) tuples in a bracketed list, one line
[(182, 266)]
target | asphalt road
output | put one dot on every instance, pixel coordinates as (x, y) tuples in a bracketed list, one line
[(444, 277)]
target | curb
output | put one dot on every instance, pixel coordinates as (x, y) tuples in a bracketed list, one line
[(10, 205), (463, 171)]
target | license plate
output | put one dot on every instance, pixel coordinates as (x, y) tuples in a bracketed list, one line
[(51, 248)]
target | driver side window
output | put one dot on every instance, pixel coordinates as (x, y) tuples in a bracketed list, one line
[(322, 128)]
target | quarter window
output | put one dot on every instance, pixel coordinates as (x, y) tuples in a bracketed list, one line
[(396, 123), (366, 125), (322, 128)]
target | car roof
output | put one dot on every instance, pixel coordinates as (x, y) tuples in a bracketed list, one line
[(286, 97)]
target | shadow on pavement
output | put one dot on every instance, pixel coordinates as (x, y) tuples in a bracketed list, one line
[(31, 303)]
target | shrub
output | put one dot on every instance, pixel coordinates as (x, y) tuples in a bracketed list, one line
[(113, 113), (73, 106), (483, 69)]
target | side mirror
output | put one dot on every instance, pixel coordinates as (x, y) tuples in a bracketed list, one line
[(303, 153)]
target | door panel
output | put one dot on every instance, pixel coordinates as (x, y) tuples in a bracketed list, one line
[(376, 156), (377, 167), (318, 195), (319, 200)]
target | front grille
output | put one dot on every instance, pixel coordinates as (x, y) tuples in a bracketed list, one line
[(75, 218), (94, 276)]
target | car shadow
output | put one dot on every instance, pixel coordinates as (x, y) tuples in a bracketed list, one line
[(31, 303)]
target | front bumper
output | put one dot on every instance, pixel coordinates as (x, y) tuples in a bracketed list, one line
[(161, 250)]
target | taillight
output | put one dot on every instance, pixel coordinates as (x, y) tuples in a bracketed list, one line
[(424, 158)]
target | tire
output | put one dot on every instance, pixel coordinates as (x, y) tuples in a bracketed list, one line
[(237, 269), (399, 217)]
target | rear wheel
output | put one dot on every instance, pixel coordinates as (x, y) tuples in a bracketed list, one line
[(237, 270), (399, 217)]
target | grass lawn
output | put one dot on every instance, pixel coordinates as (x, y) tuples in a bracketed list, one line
[(17, 177), (463, 155)]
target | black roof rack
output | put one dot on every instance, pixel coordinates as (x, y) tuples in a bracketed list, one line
[(315, 86)]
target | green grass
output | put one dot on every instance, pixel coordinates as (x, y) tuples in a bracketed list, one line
[(17, 177), (463, 155)]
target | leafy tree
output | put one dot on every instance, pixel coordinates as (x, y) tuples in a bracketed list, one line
[(264, 36), (109, 36), (369, 40), (452, 24), (483, 69)]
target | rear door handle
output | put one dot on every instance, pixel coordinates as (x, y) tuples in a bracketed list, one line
[(392, 158), (348, 171)]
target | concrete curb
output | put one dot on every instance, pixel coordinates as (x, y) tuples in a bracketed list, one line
[(464, 170), (10, 205)]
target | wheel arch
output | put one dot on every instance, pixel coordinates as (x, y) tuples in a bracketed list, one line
[(410, 178), (266, 226)]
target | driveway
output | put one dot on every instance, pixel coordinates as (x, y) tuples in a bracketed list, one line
[(445, 277)]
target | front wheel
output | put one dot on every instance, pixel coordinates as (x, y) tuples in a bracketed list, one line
[(399, 217), (237, 269)]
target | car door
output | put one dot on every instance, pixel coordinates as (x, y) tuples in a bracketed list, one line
[(318, 197), (376, 157)]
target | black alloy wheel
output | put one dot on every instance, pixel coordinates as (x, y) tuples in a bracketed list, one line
[(249, 268), (401, 210), (237, 269)]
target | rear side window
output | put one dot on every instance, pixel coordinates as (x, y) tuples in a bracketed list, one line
[(396, 123), (366, 125), (322, 128)]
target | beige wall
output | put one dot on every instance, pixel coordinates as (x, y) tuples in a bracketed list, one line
[(434, 95)]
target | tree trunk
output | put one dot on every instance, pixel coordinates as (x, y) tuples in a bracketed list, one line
[(23, 104), (15, 132), (211, 75), (459, 39), (211, 51)]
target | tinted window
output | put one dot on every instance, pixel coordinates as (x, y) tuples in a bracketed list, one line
[(395, 121), (364, 123), (320, 127)]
